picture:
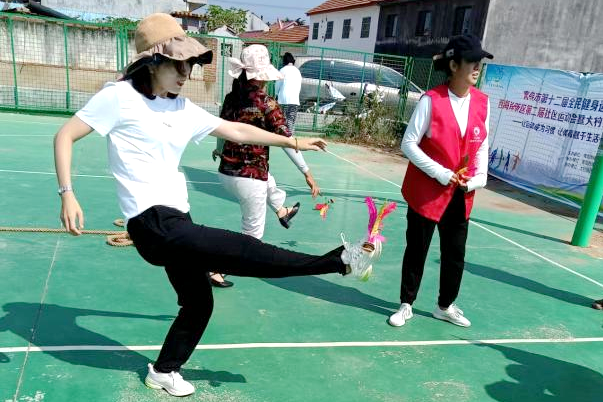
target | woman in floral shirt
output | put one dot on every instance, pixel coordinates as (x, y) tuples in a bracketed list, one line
[(244, 169)]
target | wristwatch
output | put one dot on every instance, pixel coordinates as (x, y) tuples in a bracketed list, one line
[(64, 189)]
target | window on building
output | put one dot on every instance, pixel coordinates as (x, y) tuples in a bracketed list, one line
[(391, 26), (365, 30), (462, 21), (345, 32), (424, 23), (315, 30), (329, 32)]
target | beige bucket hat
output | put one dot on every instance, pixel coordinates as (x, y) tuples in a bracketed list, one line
[(161, 34), (255, 60)]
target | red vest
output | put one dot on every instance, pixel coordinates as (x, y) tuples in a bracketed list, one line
[(426, 195)]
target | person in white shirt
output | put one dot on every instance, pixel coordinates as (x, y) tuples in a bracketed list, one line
[(148, 126), (288, 90), (446, 143)]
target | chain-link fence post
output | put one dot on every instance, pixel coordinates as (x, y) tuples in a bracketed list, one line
[(429, 76), (317, 108), (12, 49), (68, 88), (362, 86)]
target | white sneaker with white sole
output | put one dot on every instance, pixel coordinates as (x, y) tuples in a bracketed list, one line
[(452, 314), (399, 317), (173, 383), (359, 257)]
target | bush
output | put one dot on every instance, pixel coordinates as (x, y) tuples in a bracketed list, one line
[(369, 122)]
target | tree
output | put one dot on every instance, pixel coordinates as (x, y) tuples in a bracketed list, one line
[(119, 22), (235, 18)]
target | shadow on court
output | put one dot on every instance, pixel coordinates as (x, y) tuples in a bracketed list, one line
[(522, 231), (324, 290), (66, 331), (538, 378), (528, 284)]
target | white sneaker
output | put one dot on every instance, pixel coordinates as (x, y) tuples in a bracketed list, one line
[(399, 317), (358, 257), (172, 382), (452, 314)]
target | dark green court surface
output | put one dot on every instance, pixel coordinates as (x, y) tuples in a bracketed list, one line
[(80, 320)]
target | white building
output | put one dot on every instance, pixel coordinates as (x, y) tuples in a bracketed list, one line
[(255, 23), (132, 9), (344, 24)]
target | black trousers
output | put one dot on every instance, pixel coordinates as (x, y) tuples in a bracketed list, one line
[(453, 229), (167, 237)]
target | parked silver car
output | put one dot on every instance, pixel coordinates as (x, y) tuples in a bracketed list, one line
[(353, 78)]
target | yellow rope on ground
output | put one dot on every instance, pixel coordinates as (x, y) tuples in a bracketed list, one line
[(116, 238)]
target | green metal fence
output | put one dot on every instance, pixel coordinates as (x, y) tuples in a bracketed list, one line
[(55, 66)]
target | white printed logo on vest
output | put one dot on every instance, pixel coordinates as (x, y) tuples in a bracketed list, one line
[(476, 132)]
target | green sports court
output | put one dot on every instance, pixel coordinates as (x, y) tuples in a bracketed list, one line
[(80, 320)]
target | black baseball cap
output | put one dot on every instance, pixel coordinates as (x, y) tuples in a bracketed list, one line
[(468, 47)]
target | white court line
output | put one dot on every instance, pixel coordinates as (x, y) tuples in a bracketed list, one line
[(26, 135), (33, 122), (298, 345), (54, 174), (201, 182), (541, 256), (488, 230), (363, 169)]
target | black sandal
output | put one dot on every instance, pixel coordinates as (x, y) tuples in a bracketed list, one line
[(285, 219), (217, 284)]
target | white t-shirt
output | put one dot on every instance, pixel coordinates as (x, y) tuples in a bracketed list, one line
[(288, 89), (420, 125), (145, 140)]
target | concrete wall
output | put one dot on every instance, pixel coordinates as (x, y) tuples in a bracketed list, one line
[(561, 34), (354, 42), (41, 72), (134, 9)]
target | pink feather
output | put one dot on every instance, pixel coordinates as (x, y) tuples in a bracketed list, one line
[(372, 210), (375, 229), (388, 209)]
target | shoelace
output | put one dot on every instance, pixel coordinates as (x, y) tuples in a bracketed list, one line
[(457, 312), (176, 377), (406, 311), (354, 250)]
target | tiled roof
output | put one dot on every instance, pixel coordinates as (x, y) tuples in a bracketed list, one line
[(296, 34), (252, 34), (338, 5)]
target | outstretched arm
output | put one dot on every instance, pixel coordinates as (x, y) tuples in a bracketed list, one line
[(247, 134), (72, 215)]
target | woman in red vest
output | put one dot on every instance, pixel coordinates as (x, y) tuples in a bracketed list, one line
[(447, 146)]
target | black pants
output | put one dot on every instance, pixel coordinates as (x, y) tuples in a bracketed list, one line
[(167, 237), (453, 237)]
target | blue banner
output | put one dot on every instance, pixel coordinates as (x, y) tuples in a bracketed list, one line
[(545, 128)]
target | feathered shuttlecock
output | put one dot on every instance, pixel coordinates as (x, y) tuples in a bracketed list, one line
[(375, 225), (324, 207)]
